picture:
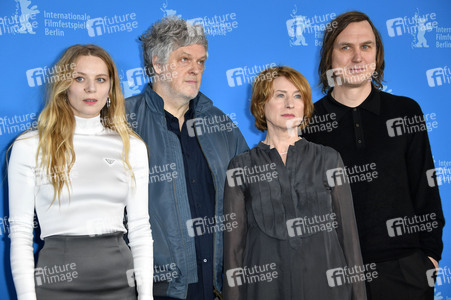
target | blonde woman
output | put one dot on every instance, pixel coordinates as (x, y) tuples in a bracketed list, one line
[(79, 169)]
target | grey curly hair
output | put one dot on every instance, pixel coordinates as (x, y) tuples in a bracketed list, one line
[(167, 35)]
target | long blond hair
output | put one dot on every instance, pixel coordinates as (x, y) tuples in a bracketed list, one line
[(56, 123)]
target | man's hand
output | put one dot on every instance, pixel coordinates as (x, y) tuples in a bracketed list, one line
[(434, 262)]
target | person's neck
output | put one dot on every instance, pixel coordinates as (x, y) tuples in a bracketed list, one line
[(176, 106), (351, 96), (281, 139)]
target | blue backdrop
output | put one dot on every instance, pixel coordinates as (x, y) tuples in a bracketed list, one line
[(244, 38)]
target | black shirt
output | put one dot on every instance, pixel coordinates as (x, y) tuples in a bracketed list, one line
[(388, 161), (201, 197)]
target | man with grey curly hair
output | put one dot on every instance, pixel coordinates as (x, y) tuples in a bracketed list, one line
[(191, 143)]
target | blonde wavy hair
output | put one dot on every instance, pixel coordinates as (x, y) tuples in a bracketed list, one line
[(56, 123)]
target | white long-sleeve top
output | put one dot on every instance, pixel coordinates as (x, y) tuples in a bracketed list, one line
[(101, 187)]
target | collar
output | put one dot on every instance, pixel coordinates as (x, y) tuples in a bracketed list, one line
[(371, 104), (90, 126), (189, 114), (296, 145), (156, 103)]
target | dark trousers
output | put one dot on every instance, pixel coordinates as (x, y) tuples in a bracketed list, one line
[(403, 278)]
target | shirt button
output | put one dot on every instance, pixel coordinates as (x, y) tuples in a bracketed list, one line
[(354, 109), (205, 260), (193, 181), (359, 141), (357, 125)]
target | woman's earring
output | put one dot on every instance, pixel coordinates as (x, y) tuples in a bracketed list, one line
[(108, 102)]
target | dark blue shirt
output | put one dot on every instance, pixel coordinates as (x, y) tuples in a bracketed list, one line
[(201, 196)]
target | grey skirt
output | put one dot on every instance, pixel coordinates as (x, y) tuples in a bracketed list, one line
[(84, 267)]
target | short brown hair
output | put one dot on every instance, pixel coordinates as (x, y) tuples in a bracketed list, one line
[(335, 27), (262, 90)]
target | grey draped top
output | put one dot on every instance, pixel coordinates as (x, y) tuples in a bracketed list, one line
[(294, 233)]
